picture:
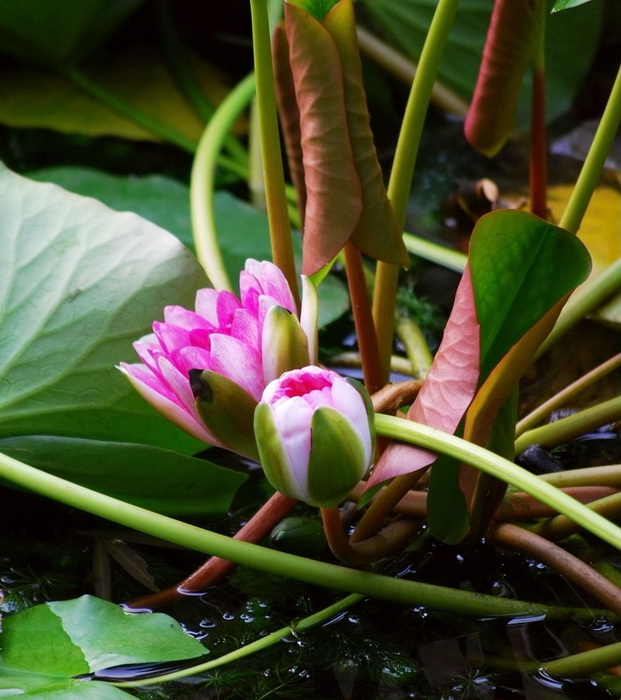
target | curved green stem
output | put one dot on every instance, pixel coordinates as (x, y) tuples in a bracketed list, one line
[(202, 182), (279, 563), (403, 166), (277, 209), (501, 468), (570, 427), (252, 648), (567, 394), (434, 252), (594, 162)]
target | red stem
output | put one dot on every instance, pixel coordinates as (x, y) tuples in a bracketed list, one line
[(215, 568), (363, 320)]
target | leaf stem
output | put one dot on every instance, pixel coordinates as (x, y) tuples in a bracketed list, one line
[(403, 167), (584, 300), (277, 209), (567, 394), (577, 571), (279, 563), (570, 427), (215, 568), (594, 162), (202, 181), (363, 321), (493, 464)]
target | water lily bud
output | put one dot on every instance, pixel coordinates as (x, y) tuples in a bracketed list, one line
[(315, 435)]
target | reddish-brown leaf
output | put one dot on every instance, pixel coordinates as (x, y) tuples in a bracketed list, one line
[(377, 234), (333, 190), (508, 49), (448, 389), (289, 114)]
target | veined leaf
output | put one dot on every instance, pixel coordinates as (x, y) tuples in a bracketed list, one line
[(45, 647), (447, 390), (521, 267), (78, 284)]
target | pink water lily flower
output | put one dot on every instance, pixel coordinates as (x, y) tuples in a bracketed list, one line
[(245, 340), (315, 435)]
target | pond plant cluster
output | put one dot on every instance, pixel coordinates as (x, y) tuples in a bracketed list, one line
[(393, 504)]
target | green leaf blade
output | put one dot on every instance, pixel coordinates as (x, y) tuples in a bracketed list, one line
[(521, 266)]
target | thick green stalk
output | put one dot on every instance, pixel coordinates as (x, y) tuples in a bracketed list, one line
[(279, 563), (277, 209), (434, 252), (202, 181), (594, 162), (584, 664), (403, 167), (501, 468)]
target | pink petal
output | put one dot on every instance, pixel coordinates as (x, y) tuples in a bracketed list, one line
[(235, 360), (166, 403), (171, 337), (206, 304), (448, 389), (189, 320), (293, 419)]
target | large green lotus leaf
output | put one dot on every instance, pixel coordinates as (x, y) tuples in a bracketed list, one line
[(44, 647), (44, 32), (78, 284), (571, 42), (521, 267), (32, 97), (160, 199), (243, 230), (150, 477)]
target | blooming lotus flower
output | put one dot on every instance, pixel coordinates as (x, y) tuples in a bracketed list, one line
[(315, 435), (206, 369)]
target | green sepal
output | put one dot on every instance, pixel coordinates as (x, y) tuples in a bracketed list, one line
[(337, 460), (284, 343), (272, 456), (368, 404), (227, 411)]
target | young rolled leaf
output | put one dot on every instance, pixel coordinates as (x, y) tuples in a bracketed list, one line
[(344, 193), (508, 50)]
